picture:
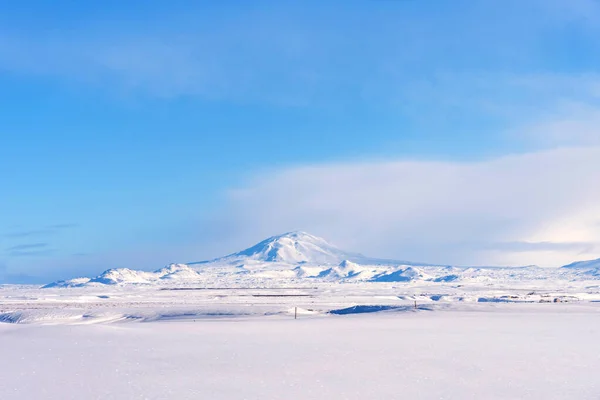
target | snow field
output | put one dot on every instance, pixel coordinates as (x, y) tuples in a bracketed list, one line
[(502, 352)]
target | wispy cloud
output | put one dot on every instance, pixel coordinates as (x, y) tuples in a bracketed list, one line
[(28, 233), (38, 232), (571, 125), (63, 226), (27, 246), (31, 253), (293, 55), (29, 250)]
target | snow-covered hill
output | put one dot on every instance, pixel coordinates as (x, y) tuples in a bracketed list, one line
[(174, 273), (586, 268), (299, 256), (584, 264)]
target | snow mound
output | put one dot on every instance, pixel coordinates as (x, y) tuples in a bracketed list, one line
[(402, 275), (76, 282), (121, 276), (177, 272)]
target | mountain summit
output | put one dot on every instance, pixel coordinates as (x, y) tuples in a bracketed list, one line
[(299, 247), (294, 248)]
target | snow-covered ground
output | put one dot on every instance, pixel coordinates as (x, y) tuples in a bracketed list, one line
[(366, 329), (112, 303), (491, 351), (349, 341)]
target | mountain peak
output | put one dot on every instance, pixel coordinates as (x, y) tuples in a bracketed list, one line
[(297, 235), (293, 248)]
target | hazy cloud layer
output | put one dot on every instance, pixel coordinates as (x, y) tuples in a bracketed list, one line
[(536, 208)]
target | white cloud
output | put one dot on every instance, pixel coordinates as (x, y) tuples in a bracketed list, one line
[(537, 208)]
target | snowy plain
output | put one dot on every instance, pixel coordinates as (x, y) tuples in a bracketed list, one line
[(492, 351), (296, 318)]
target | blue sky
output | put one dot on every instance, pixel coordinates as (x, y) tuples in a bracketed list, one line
[(137, 134)]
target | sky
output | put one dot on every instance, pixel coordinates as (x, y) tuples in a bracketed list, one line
[(135, 134)]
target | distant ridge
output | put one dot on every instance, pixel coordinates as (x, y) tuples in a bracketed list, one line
[(299, 256), (584, 264)]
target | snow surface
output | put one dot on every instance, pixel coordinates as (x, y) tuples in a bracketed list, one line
[(525, 351)]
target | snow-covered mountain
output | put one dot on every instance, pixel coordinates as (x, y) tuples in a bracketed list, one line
[(299, 256), (289, 248), (298, 248)]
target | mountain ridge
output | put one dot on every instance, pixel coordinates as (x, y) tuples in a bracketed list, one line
[(298, 255)]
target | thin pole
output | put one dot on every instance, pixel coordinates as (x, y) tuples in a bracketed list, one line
[(295, 312)]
